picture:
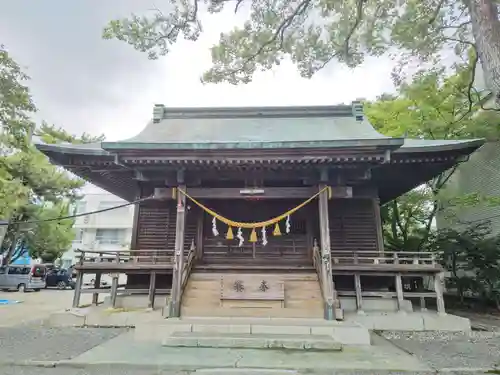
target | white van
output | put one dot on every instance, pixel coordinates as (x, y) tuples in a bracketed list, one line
[(22, 278)]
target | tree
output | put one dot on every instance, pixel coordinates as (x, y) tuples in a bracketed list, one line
[(473, 258), (31, 188), (432, 106), (314, 33)]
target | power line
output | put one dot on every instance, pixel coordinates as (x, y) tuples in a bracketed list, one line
[(2, 223)]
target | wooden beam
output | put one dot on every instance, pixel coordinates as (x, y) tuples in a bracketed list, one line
[(135, 221), (152, 290), (97, 285), (439, 288), (179, 253), (114, 288), (357, 288), (78, 283), (378, 225), (399, 291), (325, 251), (264, 193), (199, 234)]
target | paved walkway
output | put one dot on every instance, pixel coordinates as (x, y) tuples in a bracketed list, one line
[(93, 348), (36, 306)]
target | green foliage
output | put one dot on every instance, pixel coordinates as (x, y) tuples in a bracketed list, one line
[(50, 239), (473, 258), (51, 134), (431, 106), (312, 33), (31, 188)]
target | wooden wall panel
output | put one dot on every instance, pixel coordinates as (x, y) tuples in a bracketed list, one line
[(352, 225)]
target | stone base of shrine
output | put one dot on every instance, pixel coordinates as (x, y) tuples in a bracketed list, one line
[(375, 304), (135, 301), (413, 321)]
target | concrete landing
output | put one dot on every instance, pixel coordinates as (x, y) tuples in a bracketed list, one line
[(413, 321), (252, 341), (345, 333), (124, 350)]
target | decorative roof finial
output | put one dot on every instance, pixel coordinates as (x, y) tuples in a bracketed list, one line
[(357, 110), (158, 112)]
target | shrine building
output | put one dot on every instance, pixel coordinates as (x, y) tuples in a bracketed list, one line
[(265, 211)]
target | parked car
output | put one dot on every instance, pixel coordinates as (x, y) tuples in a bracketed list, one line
[(22, 277), (60, 278)]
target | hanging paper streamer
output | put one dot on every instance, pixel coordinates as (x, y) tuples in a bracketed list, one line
[(264, 236), (253, 236), (253, 225), (229, 234), (214, 227), (239, 236), (277, 231)]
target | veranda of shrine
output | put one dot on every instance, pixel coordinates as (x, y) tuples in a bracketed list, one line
[(277, 208)]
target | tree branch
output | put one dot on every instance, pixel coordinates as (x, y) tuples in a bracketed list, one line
[(435, 14)]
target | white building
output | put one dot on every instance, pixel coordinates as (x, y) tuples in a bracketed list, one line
[(110, 230)]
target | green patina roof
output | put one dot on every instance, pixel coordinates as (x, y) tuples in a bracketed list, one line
[(265, 127), (259, 128)]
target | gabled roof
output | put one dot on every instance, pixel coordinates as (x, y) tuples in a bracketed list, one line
[(256, 128)]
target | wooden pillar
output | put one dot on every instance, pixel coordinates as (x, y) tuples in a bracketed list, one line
[(79, 282), (199, 234), (326, 260), (152, 290), (439, 288), (97, 285), (179, 248), (422, 304), (378, 225), (399, 291), (359, 297), (114, 283)]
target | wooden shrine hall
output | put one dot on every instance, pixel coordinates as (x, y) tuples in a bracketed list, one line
[(269, 211)]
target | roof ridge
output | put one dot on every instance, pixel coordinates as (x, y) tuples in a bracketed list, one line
[(162, 112)]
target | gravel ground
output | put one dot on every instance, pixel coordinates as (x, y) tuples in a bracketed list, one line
[(450, 350), (30, 342)]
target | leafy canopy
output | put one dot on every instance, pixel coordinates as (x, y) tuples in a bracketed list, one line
[(31, 188), (431, 106), (312, 33)]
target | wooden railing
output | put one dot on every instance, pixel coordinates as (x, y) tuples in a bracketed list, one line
[(158, 256), (188, 267), (331, 308), (386, 257)]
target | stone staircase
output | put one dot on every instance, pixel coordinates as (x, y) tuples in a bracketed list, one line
[(302, 296), (255, 333)]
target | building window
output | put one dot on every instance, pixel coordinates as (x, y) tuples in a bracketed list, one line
[(110, 236), (81, 207), (78, 236)]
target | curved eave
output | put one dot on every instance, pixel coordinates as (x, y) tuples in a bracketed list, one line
[(94, 165), (419, 162), (185, 146), (91, 149), (424, 145)]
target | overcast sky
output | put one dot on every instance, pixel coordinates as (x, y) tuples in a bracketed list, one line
[(84, 83)]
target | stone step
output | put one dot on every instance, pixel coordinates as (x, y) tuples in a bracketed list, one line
[(252, 341), (346, 333)]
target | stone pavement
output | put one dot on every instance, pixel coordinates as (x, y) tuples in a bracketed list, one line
[(78, 351), (35, 306)]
